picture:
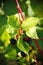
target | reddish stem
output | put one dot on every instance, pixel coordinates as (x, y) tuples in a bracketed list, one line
[(19, 9), (38, 46)]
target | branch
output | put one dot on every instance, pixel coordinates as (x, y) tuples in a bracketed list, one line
[(19, 9), (38, 46)]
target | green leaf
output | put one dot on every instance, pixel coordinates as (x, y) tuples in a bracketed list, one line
[(10, 7), (10, 52), (5, 38), (23, 46), (3, 23), (14, 22), (32, 33), (29, 23), (35, 32)]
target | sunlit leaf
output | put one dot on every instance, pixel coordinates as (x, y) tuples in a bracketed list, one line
[(29, 23), (13, 21), (35, 32), (5, 38), (32, 33), (23, 46)]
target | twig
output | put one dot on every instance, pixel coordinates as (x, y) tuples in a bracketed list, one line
[(19, 9), (38, 46)]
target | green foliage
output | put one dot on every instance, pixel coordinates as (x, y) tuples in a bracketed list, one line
[(3, 19), (10, 7), (23, 46), (10, 52), (11, 27), (13, 21), (32, 33), (38, 8), (29, 23), (3, 23)]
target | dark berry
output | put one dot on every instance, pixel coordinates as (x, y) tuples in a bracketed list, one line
[(27, 39), (13, 41), (23, 54)]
